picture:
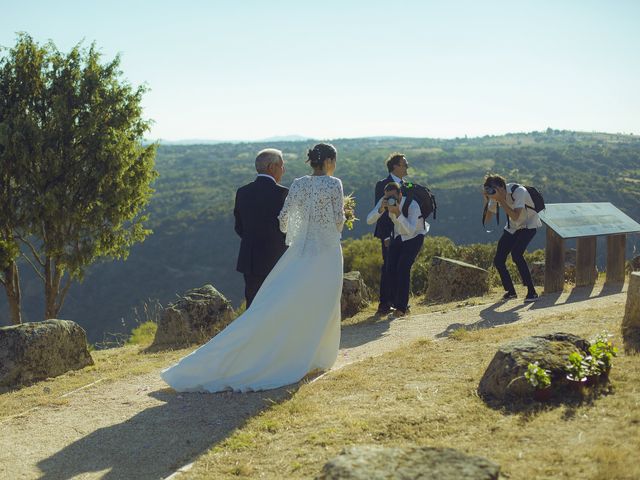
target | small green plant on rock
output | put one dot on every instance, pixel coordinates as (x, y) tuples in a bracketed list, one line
[(537, 376), (602, 352), (579, 367)]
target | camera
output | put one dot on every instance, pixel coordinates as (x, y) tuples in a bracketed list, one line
[(392, 201), (489, 190)]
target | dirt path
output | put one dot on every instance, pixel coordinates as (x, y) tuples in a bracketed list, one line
[(135, 428)]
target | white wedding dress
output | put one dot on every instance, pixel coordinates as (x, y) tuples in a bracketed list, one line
[(293, 325)]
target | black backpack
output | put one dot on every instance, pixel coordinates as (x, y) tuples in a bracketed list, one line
[(536, 197), (423, 196)]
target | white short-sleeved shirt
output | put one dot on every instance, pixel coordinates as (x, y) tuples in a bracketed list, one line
[(520, 198)]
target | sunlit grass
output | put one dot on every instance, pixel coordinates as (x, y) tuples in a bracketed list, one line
[(425, 394)]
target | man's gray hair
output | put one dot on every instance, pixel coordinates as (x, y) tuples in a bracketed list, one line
[(266, 157)]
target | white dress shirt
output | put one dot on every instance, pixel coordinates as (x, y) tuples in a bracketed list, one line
[(268, 176), (398, 180), (407, 227), (520, 198)]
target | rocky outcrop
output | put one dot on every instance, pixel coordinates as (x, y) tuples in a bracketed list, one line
[(454, 280), (195, 318), (36, 351), (631, 320), (504, 378), (373, 462), (355, 294)]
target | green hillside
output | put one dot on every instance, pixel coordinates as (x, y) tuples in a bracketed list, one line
[(191, 212)]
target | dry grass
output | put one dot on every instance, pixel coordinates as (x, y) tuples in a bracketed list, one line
[(110, 365), (425, 394)]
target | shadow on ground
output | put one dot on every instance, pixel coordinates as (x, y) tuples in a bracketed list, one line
[(354, 335), (159, 440), (578, 294), (491, 316), (567, 398)]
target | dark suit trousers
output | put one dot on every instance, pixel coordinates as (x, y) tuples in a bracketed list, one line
[(516, 244), (385, 294), (252, 284), (400, 260)]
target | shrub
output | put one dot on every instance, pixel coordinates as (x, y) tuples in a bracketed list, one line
[(364, 255), (143, 334)]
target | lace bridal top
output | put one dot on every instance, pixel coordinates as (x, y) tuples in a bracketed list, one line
[(313, 213)]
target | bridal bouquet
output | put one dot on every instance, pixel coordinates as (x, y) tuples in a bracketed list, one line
[(349, 211)]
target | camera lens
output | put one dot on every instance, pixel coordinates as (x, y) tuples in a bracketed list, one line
[(489, 190)]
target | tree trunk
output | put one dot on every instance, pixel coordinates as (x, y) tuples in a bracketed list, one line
[(49, 292), (54, 298), (12, 288)]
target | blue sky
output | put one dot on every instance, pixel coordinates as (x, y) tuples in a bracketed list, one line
[(247, 70)]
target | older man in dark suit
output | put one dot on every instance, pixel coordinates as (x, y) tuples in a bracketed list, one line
[(397, 166), (256, 212)]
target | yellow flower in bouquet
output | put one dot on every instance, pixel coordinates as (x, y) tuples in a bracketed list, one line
[(349, 211)]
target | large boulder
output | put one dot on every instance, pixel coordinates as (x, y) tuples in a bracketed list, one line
[(36, 351), (504, 378), (373, 462), (634, 264), (455, 280), (355, 294), (631, 320), (195, 318)]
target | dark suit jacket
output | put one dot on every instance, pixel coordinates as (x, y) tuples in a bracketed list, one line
[(256, 213), (384, 225)]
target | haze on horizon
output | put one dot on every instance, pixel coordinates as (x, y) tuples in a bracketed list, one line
[(252, 70)]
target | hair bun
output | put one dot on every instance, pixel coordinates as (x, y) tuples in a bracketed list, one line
[(319, 153)]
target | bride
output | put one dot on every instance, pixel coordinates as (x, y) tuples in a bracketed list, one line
[(293, 325)]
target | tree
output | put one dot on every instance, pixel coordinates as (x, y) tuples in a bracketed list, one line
[(84, 171), (21, 85)]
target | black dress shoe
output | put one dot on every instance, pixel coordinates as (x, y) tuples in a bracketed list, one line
[(383, 309)]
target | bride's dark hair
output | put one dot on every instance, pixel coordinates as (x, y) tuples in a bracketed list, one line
[(321, 152)]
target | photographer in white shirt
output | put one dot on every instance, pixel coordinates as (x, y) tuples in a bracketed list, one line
[(408, 236), (522, 224)]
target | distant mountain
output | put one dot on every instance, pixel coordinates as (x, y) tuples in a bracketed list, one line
[(285, 138), (205, 141), (192, 141)]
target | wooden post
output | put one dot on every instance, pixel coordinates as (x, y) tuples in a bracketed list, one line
[(586, 273), (616, 248), (553, 262)]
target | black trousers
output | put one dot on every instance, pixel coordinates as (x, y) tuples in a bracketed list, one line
[(385, 295), (400, 259), (252, 284), (515, 243)]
